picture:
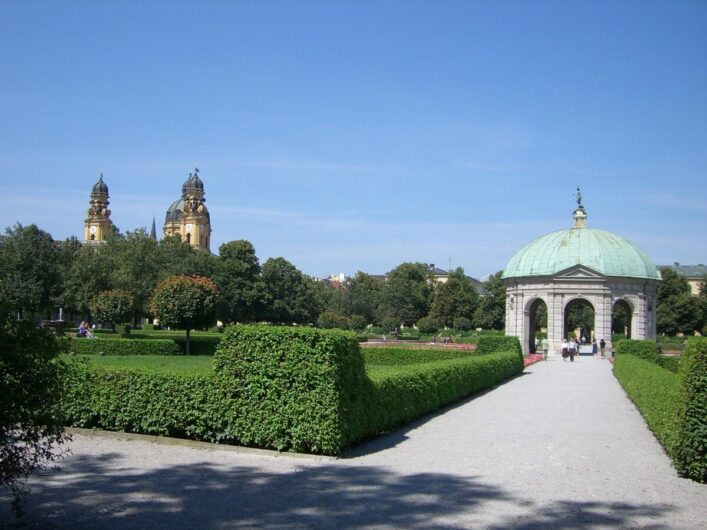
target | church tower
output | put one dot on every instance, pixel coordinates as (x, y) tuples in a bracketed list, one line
[(97, 226), (188, 217)]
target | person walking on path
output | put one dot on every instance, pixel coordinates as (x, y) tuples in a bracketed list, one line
[(565, 350), (602, 347), (572, 349), (545, 347)]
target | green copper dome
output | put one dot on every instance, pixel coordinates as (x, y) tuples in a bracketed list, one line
[(601, 251)]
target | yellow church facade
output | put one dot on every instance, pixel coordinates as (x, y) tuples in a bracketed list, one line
[(187, 217)]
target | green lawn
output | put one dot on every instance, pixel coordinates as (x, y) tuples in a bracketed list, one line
[(179, 364)]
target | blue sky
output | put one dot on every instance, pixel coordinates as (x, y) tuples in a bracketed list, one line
[(351, 136)]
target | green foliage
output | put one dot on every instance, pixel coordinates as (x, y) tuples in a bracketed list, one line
[(655, 392), (428, 325), (332, 320), (112, 307), (243, 293), (455, 299), (645, 349), (88, 274), (491, 310), (361, 296), (178, 258), (100, 346), (462, 324), (356, 322), (691, 448), (620, 318), (29, 270), (399, 355), (399, 394), (290, 294), (669, 363), (293, 387), (678, 310), (406, 295), (164, 364), (580, 314), (488, 343), (29, 388)]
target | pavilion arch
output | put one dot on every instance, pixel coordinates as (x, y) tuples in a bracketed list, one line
[(586, 322), (627, 306), (530, 315)]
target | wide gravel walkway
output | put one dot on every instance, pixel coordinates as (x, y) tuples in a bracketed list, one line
[(558, 447)]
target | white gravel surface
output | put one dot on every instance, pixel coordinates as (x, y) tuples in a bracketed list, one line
[(558, 447)]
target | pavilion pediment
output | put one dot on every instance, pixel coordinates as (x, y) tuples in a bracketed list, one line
[(578, 272)]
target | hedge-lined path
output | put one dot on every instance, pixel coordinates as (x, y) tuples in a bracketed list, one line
[(558, 447)]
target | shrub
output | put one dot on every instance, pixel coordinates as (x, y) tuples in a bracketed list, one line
[(332, 320), (427, 325), (669, 363), (294, 387), (356, 323), (462, 324), (655, 391), (198, 345), (124, 347), (112, 306), (691, 449), (401, 355), (489, 343), (645, 349), (123, 330)]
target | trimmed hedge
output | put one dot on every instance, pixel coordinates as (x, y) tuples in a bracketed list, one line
[(691, 450), (399, 356), (286, 388), (656, 393), (669, 363), (493, 343), (100, 346), (645, 349)]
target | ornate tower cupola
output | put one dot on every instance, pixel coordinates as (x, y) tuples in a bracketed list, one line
[(188, 217), (97, 226)]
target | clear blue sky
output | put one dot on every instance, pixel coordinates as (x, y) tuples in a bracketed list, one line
[(351, 136)]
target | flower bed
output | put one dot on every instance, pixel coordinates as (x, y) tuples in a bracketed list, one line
[(532, 359)]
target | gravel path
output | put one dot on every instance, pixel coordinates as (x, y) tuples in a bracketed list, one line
[(558, 447)]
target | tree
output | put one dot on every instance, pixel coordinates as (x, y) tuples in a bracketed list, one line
[(678, 310), (406, 294), (361, 296), (427, 325), (290, 295), (29, 388), (112, 307), (456, 298), (332, 319), (29, 270), (491, 311), (179, 258), (185, 302), (88, 274), (243, 293)]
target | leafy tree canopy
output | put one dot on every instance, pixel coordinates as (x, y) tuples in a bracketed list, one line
[(243, 293), (406, 294), (112, 307), (456, 298), (491, 310)]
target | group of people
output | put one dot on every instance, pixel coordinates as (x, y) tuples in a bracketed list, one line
[(85, 330), (570, 347)]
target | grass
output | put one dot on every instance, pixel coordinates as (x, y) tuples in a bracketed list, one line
[(181, 364)]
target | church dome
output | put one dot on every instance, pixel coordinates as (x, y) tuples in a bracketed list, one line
[(100, 186), (174, 212), (193, 183), (599, 250)]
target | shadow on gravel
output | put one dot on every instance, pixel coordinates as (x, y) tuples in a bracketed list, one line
[(94, 492)]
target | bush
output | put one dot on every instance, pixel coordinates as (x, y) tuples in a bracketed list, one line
[(427, 325), (198, 345), (691, 449), (332, 320), (356, 323), (492, 343), (123, 330), (656, 393), (294, 387), (151, 327), (401, 355), (462, 324), (669, 363), (123, 347), (645, 349)]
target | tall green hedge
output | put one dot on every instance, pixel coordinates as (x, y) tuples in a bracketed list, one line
[(691, 450), (389, 355), (299, 389), (645, 349), (123, 347), (656, 393), (494, 343)]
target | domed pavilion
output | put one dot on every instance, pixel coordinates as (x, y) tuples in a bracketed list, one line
[(580, 271), (188, 217)]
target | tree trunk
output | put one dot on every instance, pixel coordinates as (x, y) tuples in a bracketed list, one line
[(188, 341)]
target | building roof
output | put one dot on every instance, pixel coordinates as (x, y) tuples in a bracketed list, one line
[(691, 271), (174, 212), (599, 250), (100, 186)]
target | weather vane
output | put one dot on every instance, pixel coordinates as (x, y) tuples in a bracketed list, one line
[(579, 197)]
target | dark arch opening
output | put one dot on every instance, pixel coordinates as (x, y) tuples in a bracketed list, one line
[(621, 316), (538, 320), (579, 319), (188, 238)]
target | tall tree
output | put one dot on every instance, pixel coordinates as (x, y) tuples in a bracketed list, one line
[(185, 302), (456, 298), (406, 294), (491, 311), (361, 296), (29, 269), (177, 257), (291, 297), (243, 293), (678, 310), (88, 274)]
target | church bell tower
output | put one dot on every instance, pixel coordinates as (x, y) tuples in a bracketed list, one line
[(97, 226)]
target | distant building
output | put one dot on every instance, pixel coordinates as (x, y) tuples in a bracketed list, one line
[(695, 274), (98, 224)]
